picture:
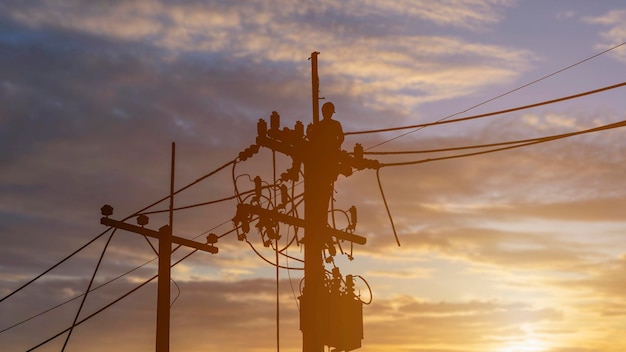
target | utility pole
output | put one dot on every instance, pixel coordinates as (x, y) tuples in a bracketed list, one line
[(165, 237), (330, 312), (317, 192)]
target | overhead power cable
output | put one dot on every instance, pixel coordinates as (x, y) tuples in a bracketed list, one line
[(441, 122), (183, 188), (503, 94), (109, 229), (54, 266), (531, 142), (109, 281), (198, 204), (82, 303), (476, 146), (108, 305), (77, 297)]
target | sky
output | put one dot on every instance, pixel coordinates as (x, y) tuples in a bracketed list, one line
[(522, 250)]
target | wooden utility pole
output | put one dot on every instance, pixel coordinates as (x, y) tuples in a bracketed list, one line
[(165, 237), (317, 190), (315, 86), (163, 284)]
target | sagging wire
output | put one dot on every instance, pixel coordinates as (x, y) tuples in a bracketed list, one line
[(382, 193), (109, 229), (276, 258), (441, 122), (532, 141), (55, 265), (177, 295), (113, 279), (293, 291), (82, 303), (505, 93), (109, 305), (269, 261), (368, 287)]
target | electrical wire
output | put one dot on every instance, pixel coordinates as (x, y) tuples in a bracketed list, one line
[(82, 303), (269, 261), (77, 297), (109, 229), (382, 193), (197, 204), (112, 280), (504, 94), (368, 287), (441, 122), (276, 257), (177, 295), (109, 305), (54, 266), (537, 141), (476, 146)]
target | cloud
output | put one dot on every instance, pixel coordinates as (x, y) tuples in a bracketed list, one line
[(368, 59), (616, 33), (92, 95)]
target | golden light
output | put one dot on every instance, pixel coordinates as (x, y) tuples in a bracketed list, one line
[(526, 345)]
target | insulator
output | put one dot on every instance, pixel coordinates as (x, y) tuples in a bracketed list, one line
[(142, 220), (358, 151), (261, 128), (211, 238), (275, 121), (106, 210), (299, 129)]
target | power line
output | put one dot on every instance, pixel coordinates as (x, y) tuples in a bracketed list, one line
[(82, 303), (104, 232), (183, 188), (440, 122), (76, 297), (536, 141), (111, 280), (504, 94), (476, 146), (108, 305), (54, 266)]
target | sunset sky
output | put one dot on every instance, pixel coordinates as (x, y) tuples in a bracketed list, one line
[(521, 250)]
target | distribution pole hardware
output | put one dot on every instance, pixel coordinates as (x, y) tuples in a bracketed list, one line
[(330, 311), (166, 239)]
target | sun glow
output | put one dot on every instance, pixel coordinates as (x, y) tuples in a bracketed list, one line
[(526, 345)]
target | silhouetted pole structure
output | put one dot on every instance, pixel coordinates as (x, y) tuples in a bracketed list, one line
[(166, 238), (315, 207), (165, 258), (315, 86), (330, 311)]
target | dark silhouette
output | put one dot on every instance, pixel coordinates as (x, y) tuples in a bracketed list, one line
[(328, 130)]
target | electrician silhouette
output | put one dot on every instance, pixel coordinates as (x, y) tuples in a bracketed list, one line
[(329, 132)]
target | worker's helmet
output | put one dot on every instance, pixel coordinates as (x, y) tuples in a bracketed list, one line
[(328, 109)]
